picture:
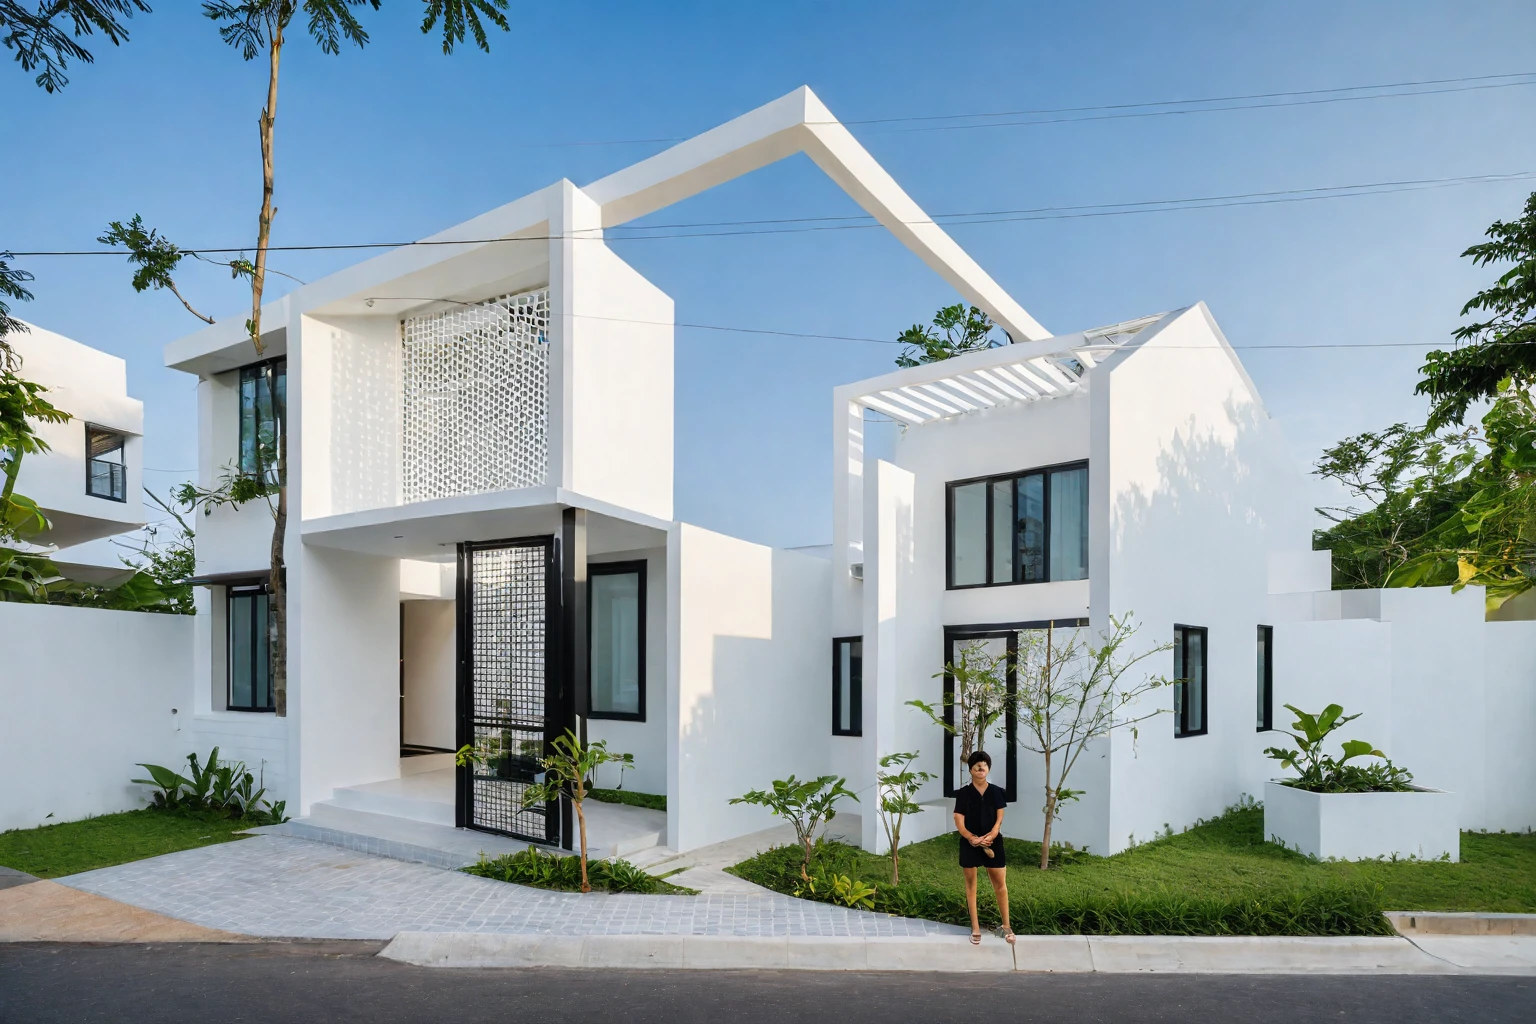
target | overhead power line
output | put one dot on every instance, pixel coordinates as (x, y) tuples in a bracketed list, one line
[(794, 225), (1150, 108)]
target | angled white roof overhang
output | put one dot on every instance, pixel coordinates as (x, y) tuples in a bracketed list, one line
[(1005, 376), (467, 256)]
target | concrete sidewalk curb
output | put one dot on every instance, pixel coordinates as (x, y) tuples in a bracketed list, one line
[(1435, 922), (1033, 953)]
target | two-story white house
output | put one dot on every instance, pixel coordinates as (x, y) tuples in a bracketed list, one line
[(481, 547), (90, 482)]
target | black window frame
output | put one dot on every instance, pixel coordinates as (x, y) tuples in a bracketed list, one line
[(117, 476), (255, 372), (594, 570), (855, 686), (230, 595), (991, 481), (1181, 728), (1266, 679)]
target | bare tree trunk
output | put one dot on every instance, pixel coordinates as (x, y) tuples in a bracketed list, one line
[(1050, 815), (806, 842), (581, 818), (895, 860), (279, 592)]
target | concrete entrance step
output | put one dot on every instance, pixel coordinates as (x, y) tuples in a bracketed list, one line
[(423, 796), (383, 835)]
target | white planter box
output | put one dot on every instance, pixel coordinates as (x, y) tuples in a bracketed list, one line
[(1419, 823)]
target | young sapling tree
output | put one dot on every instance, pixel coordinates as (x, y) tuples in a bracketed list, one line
[(976, 698), (568, 772), (1071, 692), (807, 806), (897, 785)]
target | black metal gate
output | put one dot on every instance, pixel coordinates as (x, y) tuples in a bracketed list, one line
[(508, 615)]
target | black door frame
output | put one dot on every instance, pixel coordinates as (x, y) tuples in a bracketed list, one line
[(556, 720), (1009, 633)]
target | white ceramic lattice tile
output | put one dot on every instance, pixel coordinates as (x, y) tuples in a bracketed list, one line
[(476, 397)]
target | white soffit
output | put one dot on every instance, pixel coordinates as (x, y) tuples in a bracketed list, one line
[(1009, 375)]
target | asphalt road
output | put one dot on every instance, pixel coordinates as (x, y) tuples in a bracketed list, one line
[(203, 984)]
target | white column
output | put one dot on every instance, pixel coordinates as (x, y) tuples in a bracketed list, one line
[(888, 558)]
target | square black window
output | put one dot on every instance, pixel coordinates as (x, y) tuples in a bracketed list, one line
[(250, 649), (106, 471), (616, 647), (1022, 528), (848, 686), (1189, 703)]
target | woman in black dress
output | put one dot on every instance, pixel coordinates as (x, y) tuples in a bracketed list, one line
[(979, 818)]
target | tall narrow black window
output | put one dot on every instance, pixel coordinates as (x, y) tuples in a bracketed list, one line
[(1266, 678), (250, 650), (106, 470), (616, 648), (1189, 644), (1021, 528), (262, 415), (848, 686)]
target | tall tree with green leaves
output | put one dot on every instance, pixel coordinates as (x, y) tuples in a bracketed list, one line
[(955, 331), (47, 34), (1499, 349), (1448, 504), (260, 29)]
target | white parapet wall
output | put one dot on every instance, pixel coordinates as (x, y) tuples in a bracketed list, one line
[(749, 678), (85, 696)]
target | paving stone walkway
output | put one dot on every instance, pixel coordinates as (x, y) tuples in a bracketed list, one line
[(278, 886)]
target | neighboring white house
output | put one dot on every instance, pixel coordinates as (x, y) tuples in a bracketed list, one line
[(85, 693), (481, 546), (90, 482)]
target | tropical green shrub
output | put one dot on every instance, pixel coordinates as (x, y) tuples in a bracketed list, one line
[(553, 871), (1321, 772), (224, 787), (807, 806)]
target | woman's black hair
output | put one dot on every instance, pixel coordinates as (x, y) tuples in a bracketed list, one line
[(978, 756)]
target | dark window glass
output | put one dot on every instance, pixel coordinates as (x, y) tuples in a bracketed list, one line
[(1022, 528), (1189, 694), (261, 418), (848, 686), (968, 534), (617, 648), (1266, 678), (106, 470), (1031, 528), (250, 650)]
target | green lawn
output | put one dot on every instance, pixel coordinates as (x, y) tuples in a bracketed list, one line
[(55, 850), (1219, 877)]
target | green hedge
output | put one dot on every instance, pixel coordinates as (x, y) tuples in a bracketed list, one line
[(563, 872), (625, 796), (1324, 909)]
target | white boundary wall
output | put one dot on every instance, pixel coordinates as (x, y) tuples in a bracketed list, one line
[(86, 695)]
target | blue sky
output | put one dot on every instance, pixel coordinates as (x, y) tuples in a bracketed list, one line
[(397, 141)]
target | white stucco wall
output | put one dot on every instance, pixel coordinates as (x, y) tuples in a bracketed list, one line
[(86, 695), (620, 394), (749, 670), (427, 645), (229, 539), (344, 637), (1509, 755), (1191, 488), (646, 740)]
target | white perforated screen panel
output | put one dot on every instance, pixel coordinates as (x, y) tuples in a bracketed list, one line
[(476, 397)]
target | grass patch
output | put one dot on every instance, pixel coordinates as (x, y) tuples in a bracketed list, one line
[(1219, 878), (625, 796), (51, 851), (554, 871)]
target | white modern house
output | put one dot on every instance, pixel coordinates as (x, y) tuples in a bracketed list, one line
[(90, 482), (481, 546)]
